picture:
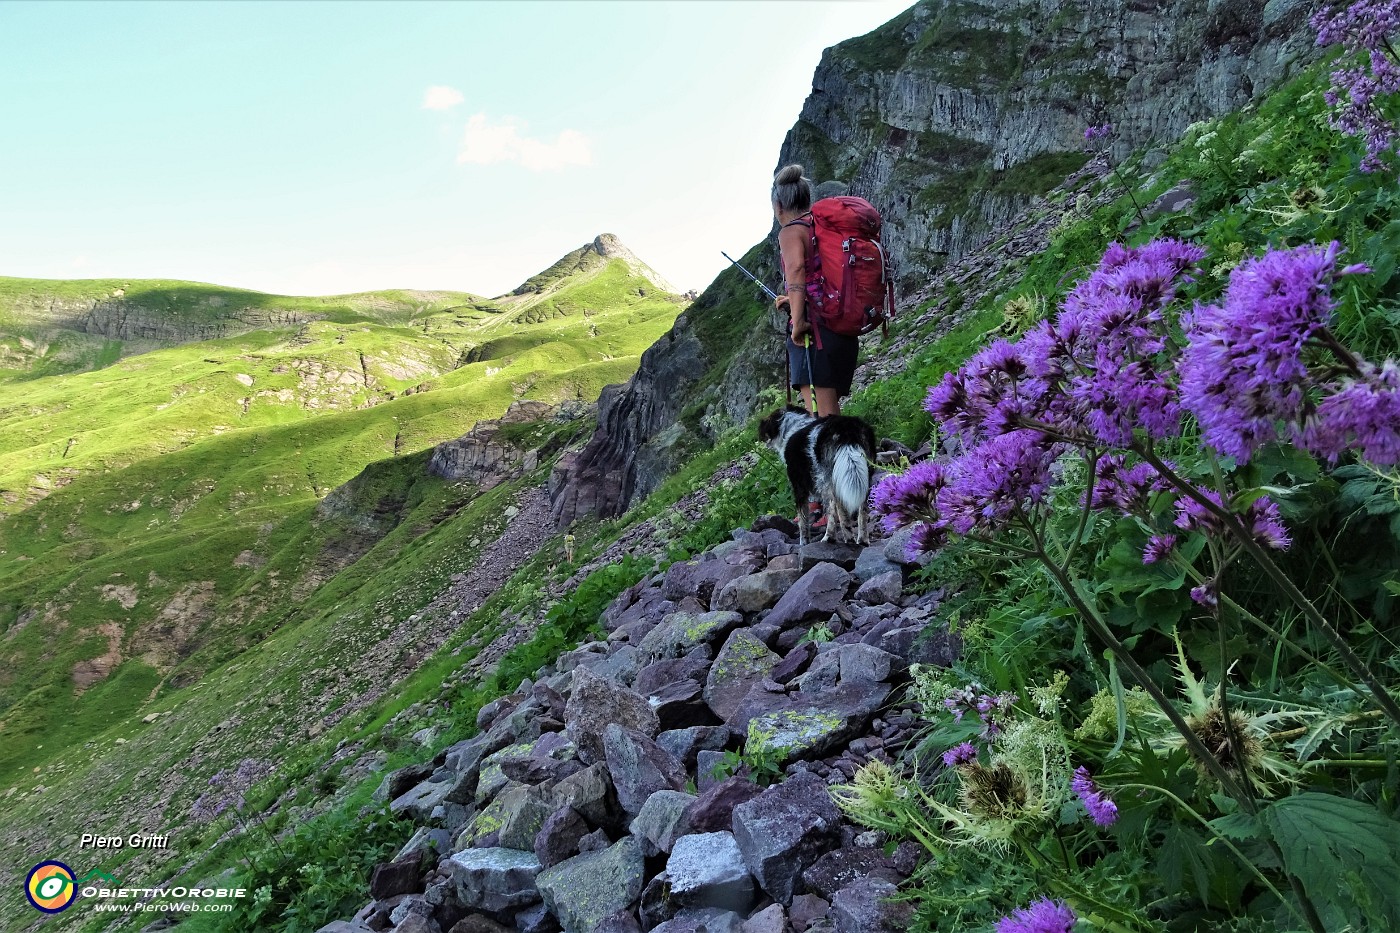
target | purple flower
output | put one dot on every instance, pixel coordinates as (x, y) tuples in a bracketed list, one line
[(988, 707), (1042, 916), (1158, 548), (1242, 371), (1206, 595), (1103, 810), (1098, 132), (1364, 24), (1127, 490), (990, 482), (1363, 415), (960, 755), (904, 498), (1261, 521)]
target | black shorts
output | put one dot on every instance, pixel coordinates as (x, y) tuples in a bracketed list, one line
[(833, 364)]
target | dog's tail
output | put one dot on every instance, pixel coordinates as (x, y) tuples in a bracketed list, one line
[(850, 476)]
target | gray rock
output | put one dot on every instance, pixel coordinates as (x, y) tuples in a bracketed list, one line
[(418, 802), (587, 888), (831, 552), (809, 724), (624, 921), (660, 674), (343, 926), (771, 919), (621, 666), (681, 704), (862, 663), (784, 830), (476, 923), (882, 588), (590, 792), (806, 909), (417, 923), (873, 563), (597, 702), (559, 836), (680, 632), (708, 870), (702, 920), (700, 579), (706, 765), (494, 879), (741, 663), (816, 594), (536, 919), (839, 867), (525, 810), (896, 548), (713, 810), (757, 591), (865, 906), (794, 663), (686, 744), (923, 644), (661, 820), (595, 841), (639, 767), (397, 783), (391, 878)]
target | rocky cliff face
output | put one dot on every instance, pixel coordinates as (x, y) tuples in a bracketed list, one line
[(953, 118)]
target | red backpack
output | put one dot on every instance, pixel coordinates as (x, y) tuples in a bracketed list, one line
[(850, 280)]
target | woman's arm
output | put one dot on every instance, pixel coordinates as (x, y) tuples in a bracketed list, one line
[(792, 246)]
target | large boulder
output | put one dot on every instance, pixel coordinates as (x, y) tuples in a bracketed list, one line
[(685, 744), (494, 879), (807, 724), (559, 836), (881, 588), (708, 870), (839, 867), (816, 594), (872, 563), (595, 703), (639, 767), (680, 632), (585, 889), (660, 674), (755, 592), (418, 802), (741, 663), (784, 830), (661, 820), (590, 792), (525, 810), (867, 906), (701, 579), (713, 810)]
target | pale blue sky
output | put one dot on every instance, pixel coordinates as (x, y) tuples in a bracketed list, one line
[(287, 146)]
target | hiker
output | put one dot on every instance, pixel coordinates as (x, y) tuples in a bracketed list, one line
[(822, 367)]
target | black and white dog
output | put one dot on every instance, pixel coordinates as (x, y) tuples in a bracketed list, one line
[(827, 458)]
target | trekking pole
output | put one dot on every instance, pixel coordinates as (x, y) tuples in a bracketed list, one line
[(811, 380), (757, 281)]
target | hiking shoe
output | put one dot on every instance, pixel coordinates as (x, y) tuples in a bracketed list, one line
[(814, 508)]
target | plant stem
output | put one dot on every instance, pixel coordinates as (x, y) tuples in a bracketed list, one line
[(1379, 694), (1253, 869)]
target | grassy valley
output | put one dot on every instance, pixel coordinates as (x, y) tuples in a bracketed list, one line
[(160, 493)]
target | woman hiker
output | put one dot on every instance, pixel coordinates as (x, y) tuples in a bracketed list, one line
[(824, 370)]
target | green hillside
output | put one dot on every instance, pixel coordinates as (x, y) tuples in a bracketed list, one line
[(158, 508)]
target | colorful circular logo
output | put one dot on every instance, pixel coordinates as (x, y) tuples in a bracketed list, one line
[(50, 887)]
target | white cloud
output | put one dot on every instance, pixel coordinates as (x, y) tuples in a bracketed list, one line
[(441, 97), (485, 143)]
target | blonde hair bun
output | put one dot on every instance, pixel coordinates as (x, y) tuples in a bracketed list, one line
[(788, 175)]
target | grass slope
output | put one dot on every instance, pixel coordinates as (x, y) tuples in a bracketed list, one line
[(158, 514)]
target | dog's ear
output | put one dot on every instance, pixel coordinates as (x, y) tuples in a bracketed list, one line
[(768, 427)]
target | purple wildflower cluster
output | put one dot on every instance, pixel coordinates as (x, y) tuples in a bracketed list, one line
[(1102, 810), (227, 790), (1363, 27), (1245, 373), (1042, 916), (1094, 133), (960, 755), (991, 709), (1106, 377)]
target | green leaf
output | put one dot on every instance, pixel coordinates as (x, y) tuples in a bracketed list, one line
[(1345, 853)]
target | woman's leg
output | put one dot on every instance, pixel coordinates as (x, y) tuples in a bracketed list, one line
[(828, 402), (806, 392)]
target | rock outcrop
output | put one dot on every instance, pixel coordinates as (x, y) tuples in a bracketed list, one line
[(578, 808), (486, 455), (953, 118)]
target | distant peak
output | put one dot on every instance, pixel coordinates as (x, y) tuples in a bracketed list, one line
[(609, 246)]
